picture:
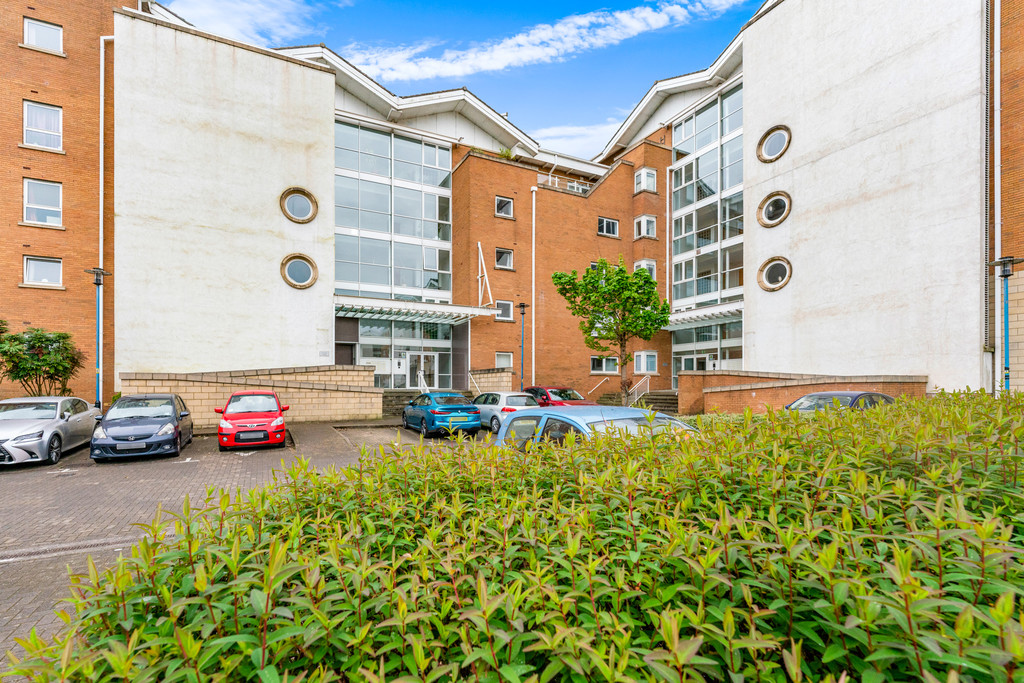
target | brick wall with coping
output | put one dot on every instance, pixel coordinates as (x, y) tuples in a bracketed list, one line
[(732, 391), (494, 379), (314, 393)]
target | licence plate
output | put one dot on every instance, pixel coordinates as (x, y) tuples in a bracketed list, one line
[(251, 436), (458, 418), (135, 446)]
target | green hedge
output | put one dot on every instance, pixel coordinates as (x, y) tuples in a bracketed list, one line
[(876, 546)]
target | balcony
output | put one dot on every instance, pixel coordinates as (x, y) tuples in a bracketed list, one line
[(563, 183)]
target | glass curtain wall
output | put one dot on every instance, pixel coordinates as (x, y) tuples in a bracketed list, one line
[(416, 346), (392, 215), (707, 347)]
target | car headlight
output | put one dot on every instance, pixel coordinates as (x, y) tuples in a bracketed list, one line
[(34, 436), (224, 424), (166, 429), (278, 422), (98, 433)]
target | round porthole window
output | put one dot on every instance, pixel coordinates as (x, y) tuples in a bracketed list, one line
[(774, 209), (298, 205), (773, 144), (774, 274), (298, 271)]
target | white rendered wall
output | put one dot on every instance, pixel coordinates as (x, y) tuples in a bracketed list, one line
[(207, 137), (886, 101)]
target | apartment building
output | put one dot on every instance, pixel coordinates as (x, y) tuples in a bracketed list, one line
[(814, 201)]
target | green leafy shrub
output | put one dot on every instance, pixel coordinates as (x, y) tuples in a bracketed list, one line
[(42, 362), (875, 546)]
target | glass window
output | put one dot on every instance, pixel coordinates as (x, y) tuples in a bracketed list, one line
[(374, 196), (773, 144), (298, 205), (408, 202), (602, 365), (646, 362), (43, 202), (608, 226), (43, 271), (504, 310), (646, 179), (732, 216), (407, 149), (650, 266), (645, 226), (732, 110), (774, 209), (503, 207), (707, 125), (371, 327), (732, 162), (374, 142), (43, 125), (502, 360), (299, 271), (521, 430), (503, 259), (43, 35), (774, 274)]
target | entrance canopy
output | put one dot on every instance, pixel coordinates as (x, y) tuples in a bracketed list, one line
[(412, 311), (722, 313)]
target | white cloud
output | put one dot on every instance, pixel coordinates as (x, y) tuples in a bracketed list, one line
[(579, 141), (258, 22), (540, 44)]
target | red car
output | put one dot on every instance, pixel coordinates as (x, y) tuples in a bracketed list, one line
[(251, 418), (558, 396)]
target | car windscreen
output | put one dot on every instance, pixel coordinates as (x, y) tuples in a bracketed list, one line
[(451, 400), (520, 401), (566, 394), (251, 403), (819, 402), (141, 407), (28, 411), (638, 425)]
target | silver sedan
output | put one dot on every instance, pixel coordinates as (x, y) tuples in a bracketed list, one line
[(40, 429), (496, 405)]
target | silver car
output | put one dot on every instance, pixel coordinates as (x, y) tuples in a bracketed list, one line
[(495, 405), (40, 429)]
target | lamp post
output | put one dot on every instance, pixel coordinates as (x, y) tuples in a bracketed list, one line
[(1005, 265), (97, 279), (522, 341)]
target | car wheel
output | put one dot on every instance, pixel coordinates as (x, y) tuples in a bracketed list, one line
[(191, 433), (221, 448), (495, 424), (53, 452), (423, 428), (405, 421), (177, 447)]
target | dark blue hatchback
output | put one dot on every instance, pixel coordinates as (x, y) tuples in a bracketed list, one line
[(145, 424), (437, 410)]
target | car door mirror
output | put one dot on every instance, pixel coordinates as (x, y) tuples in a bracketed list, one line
[(184, 413), (66, 415), (218, 410), (98, 417), (284, 408)]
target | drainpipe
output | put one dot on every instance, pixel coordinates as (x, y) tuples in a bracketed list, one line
[(997, 163), (99, 288), (533, 286)]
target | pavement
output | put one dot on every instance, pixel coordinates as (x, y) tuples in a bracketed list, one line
[(52, 518)]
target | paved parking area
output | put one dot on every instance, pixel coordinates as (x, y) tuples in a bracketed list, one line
[(53, 518)]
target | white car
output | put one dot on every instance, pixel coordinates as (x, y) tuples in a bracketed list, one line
[(496, 405), (41, 428)]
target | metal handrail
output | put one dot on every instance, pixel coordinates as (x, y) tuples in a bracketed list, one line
[(598, 384), (473, 380), (421, 382), (635, 394)]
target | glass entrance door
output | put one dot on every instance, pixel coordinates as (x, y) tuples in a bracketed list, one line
[(707, 362), (425, 363)]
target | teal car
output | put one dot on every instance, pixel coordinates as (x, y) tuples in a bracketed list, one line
[(437, 411)]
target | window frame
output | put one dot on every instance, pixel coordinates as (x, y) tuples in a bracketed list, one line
[(511, 207), (645, 219), (650, 265), (511, 359), (645, 180), (603, 361), (645, 355), (511, 310), (498, 251), (763, 272), (35, 283), (314, 271), (613, 222), (25, 205), (25, 127), (762, 218), (24, 35)]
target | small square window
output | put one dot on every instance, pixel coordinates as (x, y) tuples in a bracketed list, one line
[(644, 226), (599, 365), (42, 202), (502, 360), (608, 227), (503, 259), (646, 179), (504, 310), (646, 362), (503, 207), (49, 37), (42, 125), (43, 271)]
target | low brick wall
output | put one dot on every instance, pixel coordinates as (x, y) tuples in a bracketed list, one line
[(493, 379), (314, 393), (732, 391)]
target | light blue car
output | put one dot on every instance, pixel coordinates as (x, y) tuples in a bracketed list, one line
[(555, 423), (441, 410)]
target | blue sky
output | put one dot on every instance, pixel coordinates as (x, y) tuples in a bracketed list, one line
[(566, 74)]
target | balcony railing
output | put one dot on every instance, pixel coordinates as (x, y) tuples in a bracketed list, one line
[(563, 183)]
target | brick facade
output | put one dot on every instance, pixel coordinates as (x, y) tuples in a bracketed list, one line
[(72, 82), (566, 239), (494, 379), (313, 394), (1012, 147)]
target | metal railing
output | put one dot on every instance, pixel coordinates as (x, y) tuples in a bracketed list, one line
[(421, 382), (563, 183), (473, 380), (639, 390), (598, 384)]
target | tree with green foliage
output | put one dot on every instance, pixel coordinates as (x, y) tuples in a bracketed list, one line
[(42, 362), (614, 307)]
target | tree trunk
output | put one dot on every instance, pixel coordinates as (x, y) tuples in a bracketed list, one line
[(623, 381)]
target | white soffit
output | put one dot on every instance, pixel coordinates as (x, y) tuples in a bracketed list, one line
[(412, 311), (721, 313)]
